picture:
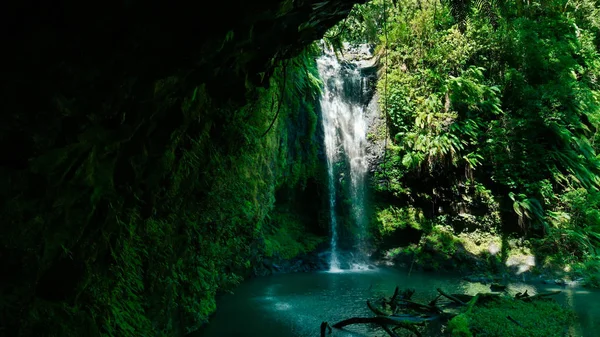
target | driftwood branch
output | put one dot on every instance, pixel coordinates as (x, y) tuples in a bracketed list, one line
[(389, 331), (415, 319), (522, 295), (434, 301), (544, 295), (379, 320), (421, 307), (463, 297), (450, 297), (525, 297), (392, 302), (325, 326), (417, 314), (396, 291), (375, 310)]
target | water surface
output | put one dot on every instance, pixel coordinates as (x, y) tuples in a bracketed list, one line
[(295, 304)]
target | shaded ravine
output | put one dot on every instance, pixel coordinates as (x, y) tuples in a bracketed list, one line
[(296, 304), (343, 103)]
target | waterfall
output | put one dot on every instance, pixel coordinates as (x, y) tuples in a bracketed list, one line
[(343, 107)]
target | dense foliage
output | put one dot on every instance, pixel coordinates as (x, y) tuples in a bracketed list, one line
[(134, 233), (493, 110)]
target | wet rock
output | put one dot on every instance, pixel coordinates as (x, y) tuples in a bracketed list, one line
[(560, 282), (359, 52), (305, 263), (479, 278)]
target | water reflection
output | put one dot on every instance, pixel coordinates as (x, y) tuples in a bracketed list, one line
[(280, 306)]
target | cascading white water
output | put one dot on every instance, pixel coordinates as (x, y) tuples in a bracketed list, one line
[(345, 131)]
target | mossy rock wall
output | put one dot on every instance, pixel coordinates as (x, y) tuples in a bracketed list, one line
[(137, 172), (127, 243)]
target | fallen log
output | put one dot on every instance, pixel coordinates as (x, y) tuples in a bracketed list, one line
[(370, 320), (538, 296), (375, 310), (379, 320), (416, 320), (396, 297), (463, 297), (450, 297), (419, 307), (392, 302)]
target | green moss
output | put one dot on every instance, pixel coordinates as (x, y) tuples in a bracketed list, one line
[(442, 240), (391, 218), (459, 326), (479, 242), (289, 238), (490, 319)]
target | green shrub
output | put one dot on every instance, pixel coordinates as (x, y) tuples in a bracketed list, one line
[(459, 326)]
